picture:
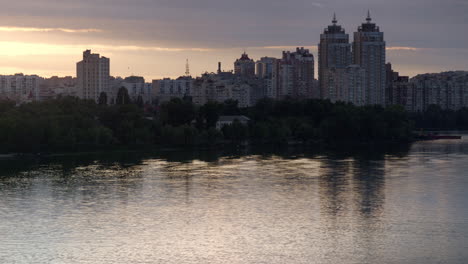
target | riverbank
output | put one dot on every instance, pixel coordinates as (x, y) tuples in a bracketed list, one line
[(227, 149)]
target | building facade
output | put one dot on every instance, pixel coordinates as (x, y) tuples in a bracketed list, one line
[(449, 90), (220, 88), (369, 53), (137, 89), (244, 67), (21, 88), (398, 88), (334, 51), (347, 85), (295, 76), (265, 67), (267, 70), (93, 76), (54, 87), (166, 89)]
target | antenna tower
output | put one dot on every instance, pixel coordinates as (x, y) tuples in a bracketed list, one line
[(187, 68)]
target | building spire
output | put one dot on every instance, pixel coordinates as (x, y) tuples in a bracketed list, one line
[(334, 21), (368, 19)]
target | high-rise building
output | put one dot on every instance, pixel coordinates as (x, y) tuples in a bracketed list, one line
[(369, 53), (347, 84), (398, 88), (401, 91), (245, 66), (334, 52), (93, 76), (296, 75), (267, 70), (266, 67)]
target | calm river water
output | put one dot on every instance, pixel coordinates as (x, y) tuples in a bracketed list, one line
[(405, 205)]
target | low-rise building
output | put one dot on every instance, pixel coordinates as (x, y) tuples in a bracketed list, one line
[(449, 90), (137, 89), (229, 120), (54, 87), (220, 88), (20, 88), (166, 89)]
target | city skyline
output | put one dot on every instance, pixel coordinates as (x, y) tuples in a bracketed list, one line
[(156, 38)]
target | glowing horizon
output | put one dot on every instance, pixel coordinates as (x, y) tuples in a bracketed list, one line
[(74, 52), (154, 39)]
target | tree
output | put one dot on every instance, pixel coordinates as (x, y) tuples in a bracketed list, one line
[(210, 137), (139, 101), (210, 113), (6, 105), (236, 132), (103, 98), (462, 118), (263, 109), (122, 96), (231, 107), (177, 112)]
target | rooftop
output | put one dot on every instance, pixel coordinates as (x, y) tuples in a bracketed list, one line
[(240, 118)]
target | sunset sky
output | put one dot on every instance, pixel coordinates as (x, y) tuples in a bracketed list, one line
[(153, 38)]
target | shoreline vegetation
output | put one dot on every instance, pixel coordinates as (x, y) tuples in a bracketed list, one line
[(68, 125)]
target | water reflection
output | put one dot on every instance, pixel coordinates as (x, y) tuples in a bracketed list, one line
[(121, 160), (334, 185), (369, 183), (348, 205)]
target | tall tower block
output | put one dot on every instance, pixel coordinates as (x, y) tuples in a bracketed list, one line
[(334, 52), (369, 53)]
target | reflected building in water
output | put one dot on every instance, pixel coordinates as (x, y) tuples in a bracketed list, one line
[(352, 184)]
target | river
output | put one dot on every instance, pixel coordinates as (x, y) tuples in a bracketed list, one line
[(403, 205)]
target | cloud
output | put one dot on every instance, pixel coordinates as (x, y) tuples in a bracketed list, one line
[(404, 49), (34, 29), (316, 4), (285, 47), (8, 48), (11, 48), (314, 48), (147, 48)]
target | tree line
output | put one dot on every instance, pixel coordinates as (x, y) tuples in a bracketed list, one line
[(72, 124), (436, 118)]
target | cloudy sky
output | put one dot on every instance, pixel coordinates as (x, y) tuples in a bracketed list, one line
[(153, 38)]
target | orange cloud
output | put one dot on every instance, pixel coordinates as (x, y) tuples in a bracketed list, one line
[(404, 49), (34, 29)]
